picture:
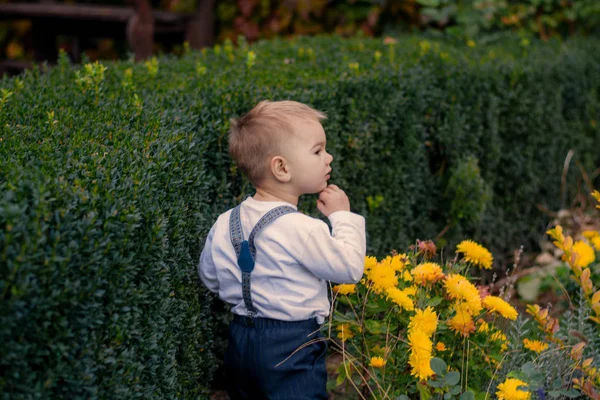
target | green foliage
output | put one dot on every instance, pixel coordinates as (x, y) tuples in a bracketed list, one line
[(111, 176), (467, 192)]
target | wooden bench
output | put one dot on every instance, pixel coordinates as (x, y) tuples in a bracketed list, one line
[(138, 24)]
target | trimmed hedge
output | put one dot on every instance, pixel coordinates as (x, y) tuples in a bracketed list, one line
[(110, 179)]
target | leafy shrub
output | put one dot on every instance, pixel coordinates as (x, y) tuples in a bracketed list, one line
[(111, 175)]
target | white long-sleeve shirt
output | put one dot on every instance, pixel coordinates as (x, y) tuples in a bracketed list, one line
[(296, 256)]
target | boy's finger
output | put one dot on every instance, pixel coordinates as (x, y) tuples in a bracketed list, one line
[(320, 205)]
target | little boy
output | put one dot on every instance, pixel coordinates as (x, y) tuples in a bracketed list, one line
[(271, 262)]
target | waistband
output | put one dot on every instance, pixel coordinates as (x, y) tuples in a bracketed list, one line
[(275, 323)]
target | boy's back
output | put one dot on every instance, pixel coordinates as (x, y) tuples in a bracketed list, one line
[(296, 255)]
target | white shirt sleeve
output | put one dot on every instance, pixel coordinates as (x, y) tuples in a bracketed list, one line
[(207, 268), (338, 256)]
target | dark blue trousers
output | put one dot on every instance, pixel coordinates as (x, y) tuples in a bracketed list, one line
[(257, 345)]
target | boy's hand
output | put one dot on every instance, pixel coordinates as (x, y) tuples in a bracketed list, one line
[(332, 199)]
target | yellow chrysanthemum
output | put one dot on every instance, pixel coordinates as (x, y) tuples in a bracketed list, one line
[(590, 234), (420, 355), (475, 254), (407, 277), (424, 321), (585, 253), (400, 297), (462, 323), (344, 332), (459, 288), (499, 336), (382, 277), (440, 346), (483, 326), (596, 195), (411, 290), (377, 362), (509, 390), (535, 345), (345, 288), (397, 262), (427, 273), (496, 304), (596, 242), (370, 262)]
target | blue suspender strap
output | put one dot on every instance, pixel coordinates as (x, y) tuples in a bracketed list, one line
[(245, 250)]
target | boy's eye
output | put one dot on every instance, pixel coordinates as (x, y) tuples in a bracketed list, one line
[(318, 151)]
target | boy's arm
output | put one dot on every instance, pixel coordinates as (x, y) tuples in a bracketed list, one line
[(338, 256), (206, 268)]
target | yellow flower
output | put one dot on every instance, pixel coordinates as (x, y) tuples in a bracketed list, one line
[(370, 262), (535, 345), (596, 195), (483, 326), (585, 253), (471, 43), (377, 362), (459, 288), (427, 273), (496, 304), (440, 346), (420, 355), (475, 254), (344, 332), (345, 289), (501, 337), (382, 276), (407, 277), (400, 297), (411, 290), (424, 321), (596, 242), (462, 323), (397, 262), (590, 234), (509, 390)]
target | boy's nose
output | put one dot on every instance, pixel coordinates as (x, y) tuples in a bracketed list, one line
[(330, 158)]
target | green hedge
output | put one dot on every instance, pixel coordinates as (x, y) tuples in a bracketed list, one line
[(109, 181)]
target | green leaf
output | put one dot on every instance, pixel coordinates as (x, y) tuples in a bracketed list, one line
[(376, 307), (556, 384), (402, 397), (571, 393), (456, 390), (528, 369), (438, 366), (373, 326), (452, 378), (447, 396), (434, 384), (423, 392), (435, 301), (342, 375), (554, 393), (468, 395)]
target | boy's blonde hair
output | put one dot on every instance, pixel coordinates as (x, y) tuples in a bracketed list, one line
[(258, 136)]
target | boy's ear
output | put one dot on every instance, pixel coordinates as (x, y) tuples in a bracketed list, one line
[(280, 169)]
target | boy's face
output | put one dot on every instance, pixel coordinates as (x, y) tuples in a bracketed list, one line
[(307, 158)]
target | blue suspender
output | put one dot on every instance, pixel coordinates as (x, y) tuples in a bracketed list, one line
[(245, 250)]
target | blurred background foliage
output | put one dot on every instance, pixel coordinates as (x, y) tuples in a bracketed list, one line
[(256, 19)]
